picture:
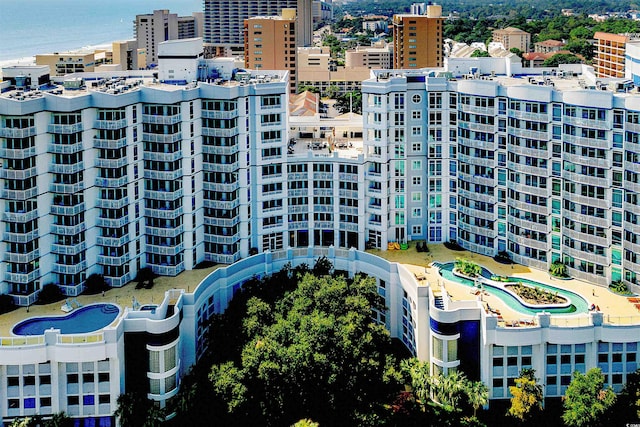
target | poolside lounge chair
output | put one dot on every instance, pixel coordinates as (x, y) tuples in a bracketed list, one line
[(75, 301), (66, 307)]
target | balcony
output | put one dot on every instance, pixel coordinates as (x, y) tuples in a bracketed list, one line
[(113, 222), (113, 260), (163, 213), (113, 242), (534, 117), (477, 127), (163, 195), (220, 132), (162, 120), (222, 204), (225, 240), (221, 167), (164, 231), (20, 216), (111, 163), (167, 270), (22, 258), (162, 138), (588, 161), (68, 249), (18, 174), (478, 161), (65, 148), (17, 132), (226, 150), (326, 192), (20, 237), (480, 197), (111, 144), (586, 179), (12, 153), (22, 278), (66, 168), (112, 204), (20, 194), (590, 238), (162, 157), (351, 194), (222, 258), (111, 124), (163, 250), (587, 123), (221, 187), (65, 129), (112, 182), (118, 282), (222, 222), (481, 231), (163, 175), (66, 188), (529, 134), (527, 151), (211, 114), (490, 111), (69, 269), (482, 214), (67, 230)]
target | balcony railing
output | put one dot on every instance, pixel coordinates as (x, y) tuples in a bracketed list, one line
[(111, 124), (74, 249), (162, 120), (20, 194), (18, 174), (17, 132), (65, 129), (110, 143), (69, 269)]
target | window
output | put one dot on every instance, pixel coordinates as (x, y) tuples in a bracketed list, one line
[(416, 99), (416, 115), (416, 130)]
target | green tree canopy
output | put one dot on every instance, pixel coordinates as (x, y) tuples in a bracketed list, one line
[(351, 101), (480, 54), (586, 400), (313, 354), (561, 58)]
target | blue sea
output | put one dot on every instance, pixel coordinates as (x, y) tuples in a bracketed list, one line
[(30, 27)]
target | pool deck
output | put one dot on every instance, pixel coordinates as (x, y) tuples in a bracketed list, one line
[(617, 309), (121, 297)]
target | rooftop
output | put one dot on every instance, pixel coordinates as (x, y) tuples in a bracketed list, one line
[(617, 310)]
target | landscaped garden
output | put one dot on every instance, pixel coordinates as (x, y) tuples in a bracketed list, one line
[(536, 295)]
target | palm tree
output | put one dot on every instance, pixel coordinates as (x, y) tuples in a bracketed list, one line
[(558, 269), (421, 380), (478, 395)]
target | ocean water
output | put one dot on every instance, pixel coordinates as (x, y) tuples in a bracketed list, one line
[(29, 27)]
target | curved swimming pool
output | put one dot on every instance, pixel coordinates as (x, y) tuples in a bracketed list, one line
[(578, 304), (82, 320)]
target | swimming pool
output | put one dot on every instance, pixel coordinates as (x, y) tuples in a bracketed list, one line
[(82, 320), (578, 304)]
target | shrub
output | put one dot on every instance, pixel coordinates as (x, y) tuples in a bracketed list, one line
[(6, 303), (468, 268), (50, 293), (619, 287), (558, 269), (95, 284)]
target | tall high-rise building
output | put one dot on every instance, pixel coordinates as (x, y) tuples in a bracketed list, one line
[(161, 25), (417, 39), (224, 21), (270, 43)]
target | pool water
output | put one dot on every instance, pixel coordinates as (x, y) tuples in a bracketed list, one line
[(578, 304), (82, 320)]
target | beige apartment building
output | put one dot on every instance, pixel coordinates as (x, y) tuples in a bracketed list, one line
[(379, 55), (511, 37), (64, 63), (610, 51), (417, 39), (316, 69), (270, 43)]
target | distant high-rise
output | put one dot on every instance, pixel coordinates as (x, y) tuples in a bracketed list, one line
[(417, 39), (159, 26), (224, 21), (270, 43)]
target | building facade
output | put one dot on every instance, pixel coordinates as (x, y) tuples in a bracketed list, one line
[(511, 37), (417, 39), (224, 21), (270, 44), (610, 53), (154, 28)]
